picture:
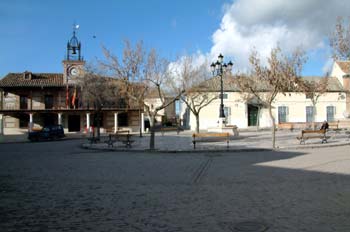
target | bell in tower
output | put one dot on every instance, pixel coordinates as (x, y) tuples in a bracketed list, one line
[(73, 65), (74, 46)]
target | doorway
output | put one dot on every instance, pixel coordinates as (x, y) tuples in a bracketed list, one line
[(252, 115), (73, 123)]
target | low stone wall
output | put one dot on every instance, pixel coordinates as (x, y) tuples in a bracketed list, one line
[(342, 124), (297, 125)]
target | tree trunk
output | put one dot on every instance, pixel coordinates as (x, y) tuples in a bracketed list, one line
[(152, 138), (197, 123), (273, 128), (140, 118), (313, 117)]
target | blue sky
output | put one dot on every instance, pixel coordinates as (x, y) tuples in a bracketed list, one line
[(34, 33)]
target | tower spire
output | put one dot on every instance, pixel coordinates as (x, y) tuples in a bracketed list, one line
[(74, 46)]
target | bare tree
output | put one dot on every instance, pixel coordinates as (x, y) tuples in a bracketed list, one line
[(129, 71), (313, 89), (193, 80), (340, 40), (98, 92), (143, 75), (158, 81), (279, 76)]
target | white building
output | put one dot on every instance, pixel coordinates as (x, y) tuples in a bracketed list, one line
[(293, 107)]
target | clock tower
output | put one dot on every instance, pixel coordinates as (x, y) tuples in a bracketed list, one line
[(73, 65)]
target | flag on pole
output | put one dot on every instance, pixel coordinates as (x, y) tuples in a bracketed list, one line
[(67, 97), (74, 97)]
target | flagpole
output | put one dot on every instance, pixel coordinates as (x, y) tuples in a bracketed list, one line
[(67, 97)]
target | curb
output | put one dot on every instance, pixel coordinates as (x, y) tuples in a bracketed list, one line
[(315, 146), (88, 146)]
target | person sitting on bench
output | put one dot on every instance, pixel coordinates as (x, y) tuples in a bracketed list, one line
[(325, 125)]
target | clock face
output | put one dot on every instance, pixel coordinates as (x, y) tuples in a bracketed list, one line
[(73, 71)]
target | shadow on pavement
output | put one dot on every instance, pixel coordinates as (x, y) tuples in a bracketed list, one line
[(283, 190)]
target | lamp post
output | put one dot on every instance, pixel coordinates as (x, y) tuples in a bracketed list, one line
[(219, 69)]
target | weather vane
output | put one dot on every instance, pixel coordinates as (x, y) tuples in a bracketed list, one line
[(75, 27)]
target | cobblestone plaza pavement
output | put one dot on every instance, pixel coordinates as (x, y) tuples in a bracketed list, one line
[(57, 186)]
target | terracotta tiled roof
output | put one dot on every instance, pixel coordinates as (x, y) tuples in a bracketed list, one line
[(33, 80), (213, 84), (333, 82), (344, 66)]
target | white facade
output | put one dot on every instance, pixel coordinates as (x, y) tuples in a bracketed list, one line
[(294, 105)]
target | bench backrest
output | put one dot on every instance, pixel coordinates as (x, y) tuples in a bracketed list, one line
[(333, 125), (203, 135), (168, 128), (313, 132), (122, 132)]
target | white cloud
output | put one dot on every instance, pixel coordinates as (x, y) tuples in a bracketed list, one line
[(176, 67), (261, 25)]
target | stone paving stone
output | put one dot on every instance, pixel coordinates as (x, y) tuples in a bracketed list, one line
[(54, 186)]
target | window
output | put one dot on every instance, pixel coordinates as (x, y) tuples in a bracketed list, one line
[(309, 114), (330, 113), (23, 102), (282, 114), (123, 119), (48, 101), (225, 96), (27, 75)]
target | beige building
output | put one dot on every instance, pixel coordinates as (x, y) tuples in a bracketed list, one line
[(292, 107), (29, 100)]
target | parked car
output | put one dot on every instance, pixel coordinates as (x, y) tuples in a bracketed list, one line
[(46, 133)]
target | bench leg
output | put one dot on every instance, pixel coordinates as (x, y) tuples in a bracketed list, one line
[(194, 144), (128, 143)]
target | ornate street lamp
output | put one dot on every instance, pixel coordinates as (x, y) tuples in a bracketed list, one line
[(219, 69)]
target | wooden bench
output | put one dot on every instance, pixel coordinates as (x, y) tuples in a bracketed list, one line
[(210, 137), (126, 139), (123, 136), (334, 126), (348, 134), (286, 125), (111, 140), (311, 134)]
